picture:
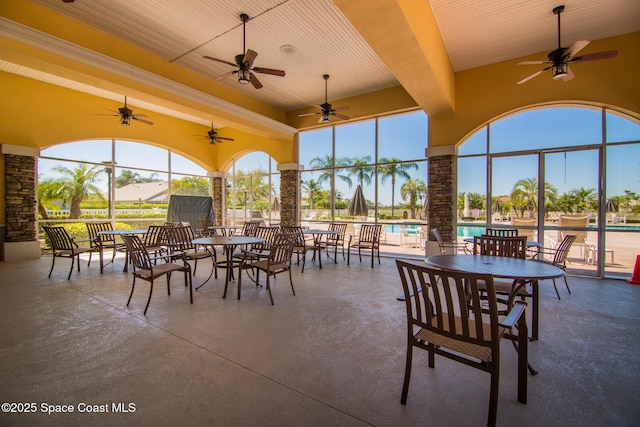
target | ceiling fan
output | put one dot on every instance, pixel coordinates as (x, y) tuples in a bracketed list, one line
[(244, 63), (213, 137), (560, 58), (327, 109), (126, 115)]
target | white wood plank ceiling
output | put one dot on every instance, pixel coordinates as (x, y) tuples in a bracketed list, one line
[(475, 33)]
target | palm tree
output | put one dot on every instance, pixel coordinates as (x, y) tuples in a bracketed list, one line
[(326, 165), (412, 190), (391, 169), (362, 169), (313, 190), (78, 184), (525, 195), (47, 192), (584, 199)]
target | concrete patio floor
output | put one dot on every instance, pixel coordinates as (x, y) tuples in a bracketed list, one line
[(331, 355)]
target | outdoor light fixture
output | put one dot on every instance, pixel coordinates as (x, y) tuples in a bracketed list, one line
[(559, 70), (244, 76), (125, 120), (326, 117)]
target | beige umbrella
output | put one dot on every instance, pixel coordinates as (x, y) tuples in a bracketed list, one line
[(275, 206), (358, 205)]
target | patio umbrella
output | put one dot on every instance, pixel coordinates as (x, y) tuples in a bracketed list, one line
[(275, 206), (465, 212), (358, 205), (425, 208)]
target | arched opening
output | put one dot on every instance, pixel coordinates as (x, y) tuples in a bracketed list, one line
[(534, 169), (121, 181), (253, 189)]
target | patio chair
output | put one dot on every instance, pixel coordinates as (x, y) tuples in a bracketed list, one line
[(65, 246), (559, 257), (445, 247), (445, 316), (104, 241), (529, 233), (145, 269), (409, 236), (249, 228), (180, 242), (279, 261), (155, 241), (368, 239), (333, 240), (259, 251), (576, 222), (503, 232), (202, 227), (511, 247), (300, 245)]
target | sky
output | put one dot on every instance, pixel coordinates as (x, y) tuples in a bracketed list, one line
[(404, 137)]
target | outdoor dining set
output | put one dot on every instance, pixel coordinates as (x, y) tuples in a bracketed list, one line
[(160, 250), (459, 303)]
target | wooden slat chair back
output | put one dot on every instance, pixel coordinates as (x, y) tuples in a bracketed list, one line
[(368, 239), (145, 268), (64, 246), (249, 228), (511, 247), (202, 227), (446, 316), (502, 232), (300, 245), (103, 241), (155, 241), (180, 240), (335, 240), (279, 261), (260, 250)]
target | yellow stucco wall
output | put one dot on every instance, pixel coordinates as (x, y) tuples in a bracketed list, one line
[(486, 93)]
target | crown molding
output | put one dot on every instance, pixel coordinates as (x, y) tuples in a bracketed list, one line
[(23, 34)]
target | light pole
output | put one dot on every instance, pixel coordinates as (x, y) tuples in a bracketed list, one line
[(108, 168), (245, 205)]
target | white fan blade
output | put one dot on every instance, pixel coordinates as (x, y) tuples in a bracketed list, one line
[(536, 74), (577, 47), (570, 74)]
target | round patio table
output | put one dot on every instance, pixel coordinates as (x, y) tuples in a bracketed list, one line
[(317, 242), (229, 243), (515, 269)]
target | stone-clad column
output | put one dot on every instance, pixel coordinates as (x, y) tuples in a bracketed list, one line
[(442, 192), (219, 184), (289, 193), (20, 178)]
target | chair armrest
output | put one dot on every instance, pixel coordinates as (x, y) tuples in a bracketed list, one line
[(514, 314)]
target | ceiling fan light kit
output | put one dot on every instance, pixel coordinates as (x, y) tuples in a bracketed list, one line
[(560, 71), (213, 137), (244, 62), (126, 115), (326, 109), (559, 59)]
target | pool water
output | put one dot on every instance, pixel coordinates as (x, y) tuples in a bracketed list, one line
[(395, 228)]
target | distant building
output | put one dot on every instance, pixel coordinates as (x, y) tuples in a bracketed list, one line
[(143, 192)]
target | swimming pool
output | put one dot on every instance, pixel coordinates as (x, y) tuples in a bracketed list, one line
[(395, 228), (470, 231)]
